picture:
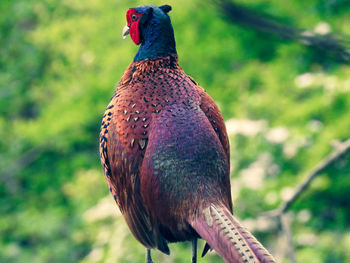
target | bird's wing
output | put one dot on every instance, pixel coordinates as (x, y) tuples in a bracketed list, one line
[(121, 160), (211, 110)]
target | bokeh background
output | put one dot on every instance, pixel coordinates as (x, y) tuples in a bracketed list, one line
[(286, 106)]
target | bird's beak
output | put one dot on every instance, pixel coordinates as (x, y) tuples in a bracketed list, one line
[(125, 31)]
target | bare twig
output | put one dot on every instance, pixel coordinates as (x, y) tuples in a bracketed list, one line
[(285, 224), (335, 45), (280, 213), (342, 148)]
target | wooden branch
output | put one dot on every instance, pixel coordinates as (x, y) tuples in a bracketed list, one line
[(280, 213), (341, 149), (285, 224), (335, 45)]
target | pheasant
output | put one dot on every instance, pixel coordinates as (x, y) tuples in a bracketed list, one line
[(165, 151)]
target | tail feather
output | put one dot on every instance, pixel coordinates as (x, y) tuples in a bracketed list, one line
[(228, 237), (260, 251)]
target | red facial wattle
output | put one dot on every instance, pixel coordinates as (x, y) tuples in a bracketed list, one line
[(133, 21), (135, 32)]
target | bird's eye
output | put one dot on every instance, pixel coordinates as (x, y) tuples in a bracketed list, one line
[(134, 17)]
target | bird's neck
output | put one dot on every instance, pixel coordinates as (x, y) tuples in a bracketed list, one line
[(158, 41)]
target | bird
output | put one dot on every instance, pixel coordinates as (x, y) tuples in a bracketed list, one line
[(165, 151)]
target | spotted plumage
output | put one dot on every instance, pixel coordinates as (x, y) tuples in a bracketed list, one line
[(165, 151)]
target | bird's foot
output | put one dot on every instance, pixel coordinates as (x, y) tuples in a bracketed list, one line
[(194, 250), (148, 256)]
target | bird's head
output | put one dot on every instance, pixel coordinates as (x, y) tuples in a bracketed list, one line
[(139, 18), (150, 27)]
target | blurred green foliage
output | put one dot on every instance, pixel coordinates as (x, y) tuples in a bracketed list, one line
[(284, 105)]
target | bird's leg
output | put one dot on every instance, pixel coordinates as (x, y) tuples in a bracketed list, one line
[(194, 250), (148, 256)]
